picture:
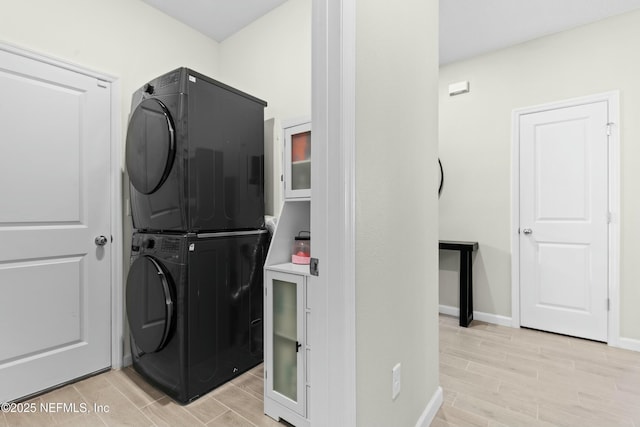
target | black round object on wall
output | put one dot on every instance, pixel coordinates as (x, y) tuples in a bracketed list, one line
[(150, 306), (441, 177), (151, 145)]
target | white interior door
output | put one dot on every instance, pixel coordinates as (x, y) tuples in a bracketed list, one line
[(55, 283), (563, 220)]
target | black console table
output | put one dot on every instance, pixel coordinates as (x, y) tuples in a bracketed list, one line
[(466, 277)]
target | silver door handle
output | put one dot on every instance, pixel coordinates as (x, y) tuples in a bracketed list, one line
[(527, 230), (100, 241)]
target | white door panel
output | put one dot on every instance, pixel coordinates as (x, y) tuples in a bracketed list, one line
[(563, 272), (560, 152), (563, 201), (54, 280)]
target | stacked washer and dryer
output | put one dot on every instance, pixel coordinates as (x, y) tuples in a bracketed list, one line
[(194, 302)]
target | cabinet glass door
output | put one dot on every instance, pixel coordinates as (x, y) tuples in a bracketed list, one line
[(285, 342), (298, 161), (301, 161), (284, 358)]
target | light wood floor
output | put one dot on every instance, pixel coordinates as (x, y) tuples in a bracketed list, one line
[(132, 402), (492, 376), (499, 376)]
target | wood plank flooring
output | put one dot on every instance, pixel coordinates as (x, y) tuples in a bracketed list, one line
[(495, 376), (133, 402), (492, 376)]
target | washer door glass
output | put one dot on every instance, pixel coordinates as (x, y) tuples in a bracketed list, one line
[(150, 305), (150, 146)]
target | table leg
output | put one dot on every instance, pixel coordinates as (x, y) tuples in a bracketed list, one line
[(466, 289)]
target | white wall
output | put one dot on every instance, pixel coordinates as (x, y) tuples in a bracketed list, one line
[(396, 208), (124, 38), (475, 144), (271, 59)]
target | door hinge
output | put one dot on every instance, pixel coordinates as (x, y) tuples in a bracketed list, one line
[(609, 128), (609, 217), (313, 267), (608, 304), (102, 83)]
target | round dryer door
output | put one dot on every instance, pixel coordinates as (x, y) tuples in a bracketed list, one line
[(150, 307), (151, 146)]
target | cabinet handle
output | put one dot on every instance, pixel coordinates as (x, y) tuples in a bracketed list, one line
[(298, 345)]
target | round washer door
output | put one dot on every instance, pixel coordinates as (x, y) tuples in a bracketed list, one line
[(151, 146), (150, 306)]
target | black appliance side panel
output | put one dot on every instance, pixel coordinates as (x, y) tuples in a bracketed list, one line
[(226, 149), (225, 307), (166, 208)]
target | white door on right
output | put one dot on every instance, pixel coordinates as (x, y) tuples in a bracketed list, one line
[(564, 220)]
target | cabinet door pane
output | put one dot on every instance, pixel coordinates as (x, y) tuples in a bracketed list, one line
[(301, 161), (285, 333)]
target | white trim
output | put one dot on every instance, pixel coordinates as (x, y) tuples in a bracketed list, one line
[(116, 189), (320, 401), (28, 53), (614, 226), (294, 121), (348, 138), (629, 344), (495, 319), (449, 310), (127, 361), (515, 220), (431, 410), (117, 234), (613, 102), (333, 212)]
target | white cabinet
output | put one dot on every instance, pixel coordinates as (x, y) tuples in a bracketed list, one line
[(287, 302), (287, 349), (297, 160)]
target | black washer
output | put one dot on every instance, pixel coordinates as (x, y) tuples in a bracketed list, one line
[(150, 306), (151, 146)]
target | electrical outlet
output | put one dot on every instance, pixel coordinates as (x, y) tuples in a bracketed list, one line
[(395, 381)]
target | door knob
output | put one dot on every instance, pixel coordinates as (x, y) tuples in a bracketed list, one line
[(527, 231), (100, 241)]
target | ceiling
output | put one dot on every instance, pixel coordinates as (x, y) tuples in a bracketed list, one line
[(217, 19), (467, 27), (472, 27)]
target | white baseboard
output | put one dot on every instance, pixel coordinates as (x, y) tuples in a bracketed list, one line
[(496, 319), (127, 360), (449, 310), (431, 410), (629, 344)]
